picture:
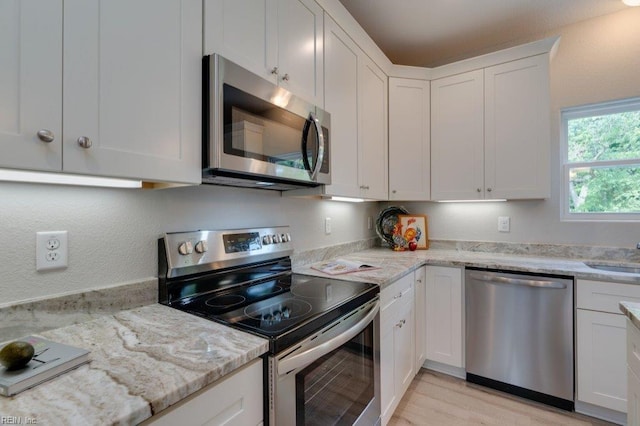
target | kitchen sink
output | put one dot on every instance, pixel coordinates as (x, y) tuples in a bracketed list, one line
[(614, 268)]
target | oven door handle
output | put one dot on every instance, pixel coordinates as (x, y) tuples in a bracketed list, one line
[(304, 358)]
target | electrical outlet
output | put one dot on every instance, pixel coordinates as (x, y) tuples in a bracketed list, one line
[(504, 223), (327, 225), (51, 250)]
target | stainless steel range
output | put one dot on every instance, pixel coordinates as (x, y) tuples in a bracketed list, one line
[(323, 362)]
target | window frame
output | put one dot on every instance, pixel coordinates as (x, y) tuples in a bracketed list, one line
[(590, 110)]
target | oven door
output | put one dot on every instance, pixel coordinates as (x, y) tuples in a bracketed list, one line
[(332, 377)]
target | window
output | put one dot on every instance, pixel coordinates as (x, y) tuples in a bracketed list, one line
[(601, 164)]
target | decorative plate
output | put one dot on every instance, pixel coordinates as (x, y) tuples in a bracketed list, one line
[(386, 221)]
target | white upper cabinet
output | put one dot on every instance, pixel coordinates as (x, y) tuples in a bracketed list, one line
[(31, 84), (372, 131), (280, 40), (132, 94), (490, 132), (517, 129), (457, 135), (131, 87), (409, 139), (300, 48), (341, 100)]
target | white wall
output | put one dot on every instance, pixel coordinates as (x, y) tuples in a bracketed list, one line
[(113, 232), (597, 60)]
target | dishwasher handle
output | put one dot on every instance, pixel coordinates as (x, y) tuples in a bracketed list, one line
[(497, 279)]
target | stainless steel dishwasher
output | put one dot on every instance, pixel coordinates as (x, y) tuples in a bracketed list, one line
[(519, 334)]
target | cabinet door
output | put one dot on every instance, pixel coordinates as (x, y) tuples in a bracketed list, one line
[(387, 366), (373, 137), (234, 400), (457, 135), (633, 397), (243, 31), (601, 359), (517, 132), (409, 139), (444, 315), (404, 348), (420, 314), (300, 52), (341, 100), (132, 73), (30, 84)]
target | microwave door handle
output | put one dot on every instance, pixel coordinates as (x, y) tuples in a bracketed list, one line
[(320, 146), (305, 137)]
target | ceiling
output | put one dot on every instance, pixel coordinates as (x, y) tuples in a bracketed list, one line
[(430, 33)]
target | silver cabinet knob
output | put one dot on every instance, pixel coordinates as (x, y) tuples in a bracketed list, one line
[(488, 189), (393, 191), (185, 248), (202, 246), (46, 135), (274, 71), (84, 142), (285, 77), (479, 190)]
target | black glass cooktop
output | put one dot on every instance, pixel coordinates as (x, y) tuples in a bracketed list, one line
[(285, 309)]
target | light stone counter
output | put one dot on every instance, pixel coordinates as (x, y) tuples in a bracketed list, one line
[(632, 311), (393, 265), (142, 361)]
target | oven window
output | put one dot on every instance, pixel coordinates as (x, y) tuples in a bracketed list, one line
[(338, 387)]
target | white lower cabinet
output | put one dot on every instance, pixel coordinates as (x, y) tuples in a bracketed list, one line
[(397, 349), (601, 367), (234, 400), (420, 310), (601, 363), (633, 371), (444, 329)]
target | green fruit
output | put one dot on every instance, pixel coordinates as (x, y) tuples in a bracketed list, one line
[(16, 355)]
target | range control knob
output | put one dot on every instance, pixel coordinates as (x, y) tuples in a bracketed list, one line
[(276, 239), (185, 248), (284, 238), (202, 246), (266, 240)]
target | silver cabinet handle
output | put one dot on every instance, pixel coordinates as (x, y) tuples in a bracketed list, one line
[(401, 323), (274, 71), (497, 279), (84, 142), (285, 77), (364, 186), (46, 135)]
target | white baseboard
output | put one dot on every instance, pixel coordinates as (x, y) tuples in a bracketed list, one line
[(601, 413), (458, 372)]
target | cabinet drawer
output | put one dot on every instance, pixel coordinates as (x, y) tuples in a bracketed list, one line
[(633, 347), (605, 296), (395, 291), (393, 297)]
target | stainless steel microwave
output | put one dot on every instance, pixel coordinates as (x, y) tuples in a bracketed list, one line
[(256, 134)]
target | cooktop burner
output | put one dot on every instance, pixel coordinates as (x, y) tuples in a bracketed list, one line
[(225, 301)]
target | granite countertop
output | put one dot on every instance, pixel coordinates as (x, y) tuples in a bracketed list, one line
[(632, 311), (142, 361), (393, 265)]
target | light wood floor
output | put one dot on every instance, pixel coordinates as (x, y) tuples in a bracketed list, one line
[(438, 399)]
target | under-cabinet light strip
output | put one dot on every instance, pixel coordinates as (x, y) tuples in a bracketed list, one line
[(65, 179)]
